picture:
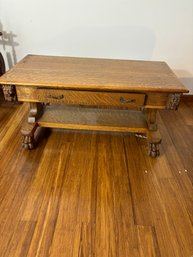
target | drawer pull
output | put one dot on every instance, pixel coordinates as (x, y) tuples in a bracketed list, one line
[(59, 97), (124, 101)]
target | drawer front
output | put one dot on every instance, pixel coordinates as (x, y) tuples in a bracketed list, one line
[(156, 100), (73, 97)]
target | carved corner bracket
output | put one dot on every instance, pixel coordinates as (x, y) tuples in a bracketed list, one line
[(173, 101), (9, 93)]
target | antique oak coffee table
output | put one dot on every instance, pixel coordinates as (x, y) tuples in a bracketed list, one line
[(94, 94)]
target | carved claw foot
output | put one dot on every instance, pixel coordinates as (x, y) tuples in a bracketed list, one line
[(28, 142), (154, 150), (27, 132)]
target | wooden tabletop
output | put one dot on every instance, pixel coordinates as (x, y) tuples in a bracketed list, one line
[(93, 74)]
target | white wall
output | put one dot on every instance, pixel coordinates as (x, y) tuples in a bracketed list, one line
[(127, 29)]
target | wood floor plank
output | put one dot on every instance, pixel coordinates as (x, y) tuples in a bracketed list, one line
[(147, 242), (180, 169), (21, 239), (6, 112), (10, 131), (85, 243), (11, 204), (138, 170), (105, 217), (186, 113), (75, 203), (181, 136), (114, 213)]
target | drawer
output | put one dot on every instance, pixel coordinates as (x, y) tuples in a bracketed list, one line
[(74, 97), (156, 100)]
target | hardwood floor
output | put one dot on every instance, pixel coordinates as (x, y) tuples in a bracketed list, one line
[(88, 194)]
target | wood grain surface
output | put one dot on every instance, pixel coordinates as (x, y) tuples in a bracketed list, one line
[(93, 74), (88, 194)]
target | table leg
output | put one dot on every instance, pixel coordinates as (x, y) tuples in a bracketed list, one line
[(29, 127), (154, 140), (28, 131), (153, 135), (36, 110)]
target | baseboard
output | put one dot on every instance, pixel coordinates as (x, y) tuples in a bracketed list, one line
[(188, 98)]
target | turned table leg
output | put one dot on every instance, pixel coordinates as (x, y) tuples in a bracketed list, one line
[(36, 110), (29, 127), (153, 135)]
